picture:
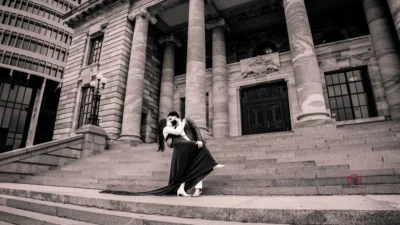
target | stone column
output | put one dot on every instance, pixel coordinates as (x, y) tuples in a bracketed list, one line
[(305, 65), (168, 75), (134, 84), (220, 100), (386, 54), (394, 6), (195, 93)]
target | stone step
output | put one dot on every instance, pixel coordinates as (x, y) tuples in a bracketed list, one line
[(101, 216), (301, 210), (23, 217), (5, 223)]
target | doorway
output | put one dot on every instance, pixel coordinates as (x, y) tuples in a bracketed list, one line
[(265, 108)]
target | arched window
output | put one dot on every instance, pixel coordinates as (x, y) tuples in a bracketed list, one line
[(332, 35), (264, 48)]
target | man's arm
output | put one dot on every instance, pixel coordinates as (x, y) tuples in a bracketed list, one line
[(196, 129)]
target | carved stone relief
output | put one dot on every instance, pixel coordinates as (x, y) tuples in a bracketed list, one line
[(260, 65)]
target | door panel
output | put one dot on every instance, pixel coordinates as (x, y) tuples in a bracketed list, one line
[(265, 108)]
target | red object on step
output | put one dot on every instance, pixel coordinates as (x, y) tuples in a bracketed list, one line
[(354, 179)]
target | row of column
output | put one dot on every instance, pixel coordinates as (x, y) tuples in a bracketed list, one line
[(305, 66)]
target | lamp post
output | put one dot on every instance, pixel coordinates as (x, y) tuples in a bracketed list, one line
[(95, 88)]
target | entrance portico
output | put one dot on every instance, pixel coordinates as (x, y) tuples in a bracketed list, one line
[(331, 68)]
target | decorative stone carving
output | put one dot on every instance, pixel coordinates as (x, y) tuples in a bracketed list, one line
[(170, 39), (343, 62), (143, 13), (260, 65), (219, 22)]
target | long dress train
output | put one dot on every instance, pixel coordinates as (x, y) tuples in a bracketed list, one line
[(189, 165)]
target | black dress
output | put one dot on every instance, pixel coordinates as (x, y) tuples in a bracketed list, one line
[(189, 165)]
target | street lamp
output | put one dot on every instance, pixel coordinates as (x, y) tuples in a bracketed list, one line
[(95, 87)]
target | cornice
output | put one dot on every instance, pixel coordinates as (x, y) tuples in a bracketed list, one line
[(86, 9)]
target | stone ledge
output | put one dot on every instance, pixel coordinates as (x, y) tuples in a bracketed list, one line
[(358, 121), (93, 130), (39, 147), (301, 210)]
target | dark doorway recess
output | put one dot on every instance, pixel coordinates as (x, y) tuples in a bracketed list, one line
[(265, 108)]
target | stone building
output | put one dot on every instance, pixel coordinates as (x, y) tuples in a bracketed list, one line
[(34, 44), (236, 67)]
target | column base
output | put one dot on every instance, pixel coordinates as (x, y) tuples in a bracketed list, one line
[(313, 127), (133, 140), (314, 116)]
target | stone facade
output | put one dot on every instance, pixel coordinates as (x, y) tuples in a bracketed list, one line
[(300, 50)]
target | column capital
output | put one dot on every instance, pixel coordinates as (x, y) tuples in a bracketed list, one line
[(144, 14), (170, 39), (219, 22)]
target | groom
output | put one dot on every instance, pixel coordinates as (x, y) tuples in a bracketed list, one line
[(191, 131)]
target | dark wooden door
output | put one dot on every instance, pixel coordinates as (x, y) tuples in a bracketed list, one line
[(265, 108)]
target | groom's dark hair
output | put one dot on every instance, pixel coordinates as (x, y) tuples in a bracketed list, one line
[(174, 113)]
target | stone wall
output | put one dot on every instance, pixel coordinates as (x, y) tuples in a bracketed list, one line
[(340, 55), (152, 82), (114, 64)]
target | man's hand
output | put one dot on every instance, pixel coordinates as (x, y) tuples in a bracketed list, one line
[(199, 144)]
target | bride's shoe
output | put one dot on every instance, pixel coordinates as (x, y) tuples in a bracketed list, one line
[(219, 166), (197, 193), (182, 192)]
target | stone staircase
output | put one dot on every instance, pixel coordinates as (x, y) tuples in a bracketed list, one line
[(287, 163), (24, 204)]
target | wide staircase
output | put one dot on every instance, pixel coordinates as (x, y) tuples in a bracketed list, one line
[(315, 177), (268, 164)]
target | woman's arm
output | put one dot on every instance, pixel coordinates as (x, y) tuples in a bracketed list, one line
[(177, 131)]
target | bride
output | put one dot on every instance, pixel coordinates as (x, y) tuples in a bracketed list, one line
[(189, 164)]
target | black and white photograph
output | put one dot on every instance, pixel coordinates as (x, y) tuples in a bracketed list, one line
[(199, 112)]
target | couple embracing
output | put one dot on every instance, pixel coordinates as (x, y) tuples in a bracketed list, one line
[(191, 160)]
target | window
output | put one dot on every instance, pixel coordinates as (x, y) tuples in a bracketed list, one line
[(13, 39), (86, 107), (25, 46), (31, 26), (350, 94), (6, 19), (24, 6), (15, 109), (36, 10), (5, 38), (182, 105), (20, 41), (39, 46), (28, 63), (18, 4), (30, 8), (207, 112), (14, 60), (264, 48), (95, 50), (13, 18), (19, 22), (50, 51), (32, 46), (41, 66), (25, 23), (7, 57), (21, 61)]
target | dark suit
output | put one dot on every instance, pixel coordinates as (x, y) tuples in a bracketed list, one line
[(192, 131)]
